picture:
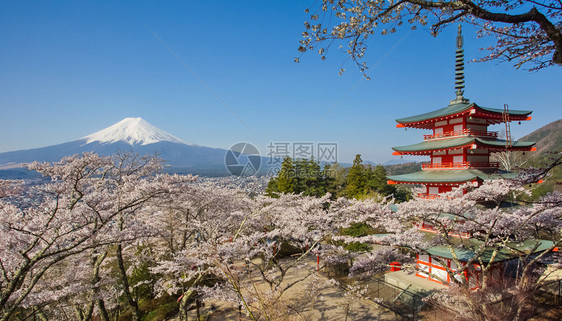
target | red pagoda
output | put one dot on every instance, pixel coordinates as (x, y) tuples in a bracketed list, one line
[(460, 147), (460, 144)]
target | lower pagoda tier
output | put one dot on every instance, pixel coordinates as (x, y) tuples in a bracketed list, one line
[(434, 265), (444, 181)]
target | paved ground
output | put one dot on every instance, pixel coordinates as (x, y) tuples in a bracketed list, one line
[(312, 299), (404, 279)]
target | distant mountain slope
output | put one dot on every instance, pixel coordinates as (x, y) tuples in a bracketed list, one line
[(404, 168), (548, 138), (130, 134)]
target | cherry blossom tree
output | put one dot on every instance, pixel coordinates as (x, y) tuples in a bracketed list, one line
[(194, 220), (71, 246), (65, 226), (231, 248), (241, 250), (226, 237), (526, 31), (509, 160), (474, 223)]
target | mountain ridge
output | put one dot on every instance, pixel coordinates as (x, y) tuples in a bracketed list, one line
[(128, 135), (548, 143), (548, 138)]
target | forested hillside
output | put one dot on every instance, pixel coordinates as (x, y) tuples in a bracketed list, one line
[(549, 144)]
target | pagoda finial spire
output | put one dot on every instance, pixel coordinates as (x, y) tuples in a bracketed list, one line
[(459, 70)]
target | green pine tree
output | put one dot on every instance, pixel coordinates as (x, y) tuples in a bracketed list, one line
[(272, 190), (355, 184), (378, 187), (286, 177), (329, 180), (377, 181), (313, 179), (300, 166)]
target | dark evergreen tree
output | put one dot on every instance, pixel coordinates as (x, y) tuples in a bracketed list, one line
[(300, 166), (286, 177), (377, 181), (272, 190), (307, 177), (313, 180), (355, 186), (329, 180)]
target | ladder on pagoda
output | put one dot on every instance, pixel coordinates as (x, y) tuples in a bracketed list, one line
[(505, 116)]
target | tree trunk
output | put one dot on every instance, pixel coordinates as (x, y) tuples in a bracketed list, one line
[(79, 313), (104, 316), (85, 316), (183, 309), (117, 312), (41, 316), (137, 315), (184, 302), (97, 260)]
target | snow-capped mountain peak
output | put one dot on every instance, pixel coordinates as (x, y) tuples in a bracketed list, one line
[(134, 131)]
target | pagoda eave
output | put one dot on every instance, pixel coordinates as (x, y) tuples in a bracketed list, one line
[(491, 149), (465, 142), (512, 149), (454, 184), (428, 124), (428, 152), (510, 251), (492, 115), (450, 177), (495, 117)]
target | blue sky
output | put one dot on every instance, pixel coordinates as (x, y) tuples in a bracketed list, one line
[(70, 68)]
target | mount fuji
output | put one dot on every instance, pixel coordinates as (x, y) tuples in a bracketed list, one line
[(134, 131), (130, 134)]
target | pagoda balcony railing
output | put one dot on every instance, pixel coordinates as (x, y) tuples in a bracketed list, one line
[(460, 165), (463, 132), (428, 196)]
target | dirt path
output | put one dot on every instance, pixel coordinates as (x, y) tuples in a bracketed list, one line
[(312, 299)]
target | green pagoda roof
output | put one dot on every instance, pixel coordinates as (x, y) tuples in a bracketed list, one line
[(442, 144), (455, 109), (512, 250), (451, 176)]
